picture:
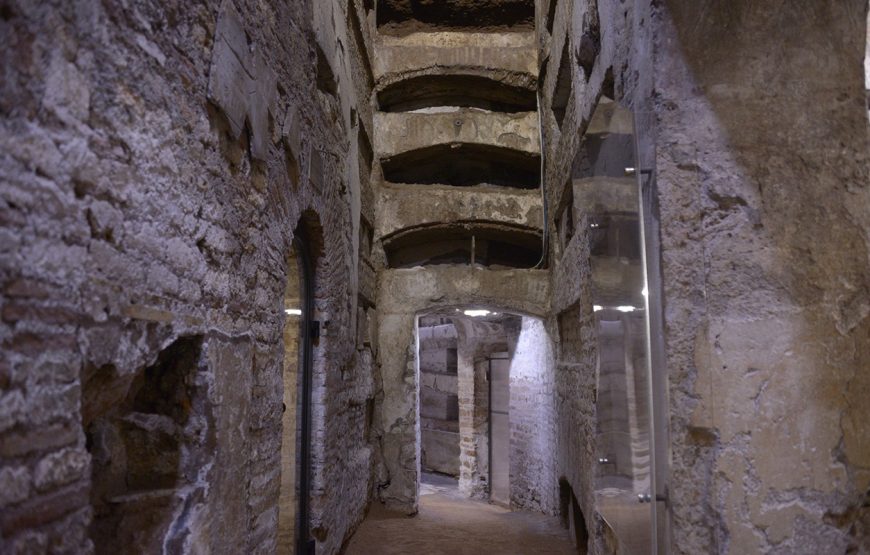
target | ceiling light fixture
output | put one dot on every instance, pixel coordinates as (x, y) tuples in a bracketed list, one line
[(476, 312)]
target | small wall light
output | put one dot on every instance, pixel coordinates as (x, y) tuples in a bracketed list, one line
[(476, 312)]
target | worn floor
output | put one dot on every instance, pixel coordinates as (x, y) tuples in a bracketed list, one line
[(450, 524), (629, 520)]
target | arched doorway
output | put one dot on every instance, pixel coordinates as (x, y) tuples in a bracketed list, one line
[(299, 336), (484, 388)]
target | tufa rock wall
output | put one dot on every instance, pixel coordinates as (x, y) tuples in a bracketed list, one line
[(765, 207)]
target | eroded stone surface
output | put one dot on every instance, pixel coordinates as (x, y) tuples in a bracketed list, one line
[(404, 207), (156, 158), (403, 132), (764, 363), (148, 195)]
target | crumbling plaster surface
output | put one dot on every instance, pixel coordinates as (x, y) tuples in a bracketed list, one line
[(132, 214), (533, 476), (763, 181), (403, 207), (403, 132), (511, 57), (397, 429)]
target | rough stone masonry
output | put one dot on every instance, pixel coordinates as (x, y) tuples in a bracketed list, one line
[(158, 158)]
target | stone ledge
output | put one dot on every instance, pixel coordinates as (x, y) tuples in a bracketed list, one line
[(411, 290), (405, 206), (405, 131)]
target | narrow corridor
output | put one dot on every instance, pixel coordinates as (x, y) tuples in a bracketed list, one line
[(449, 523), (315, 277)]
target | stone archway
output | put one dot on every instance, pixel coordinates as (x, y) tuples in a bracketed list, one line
[(300, 336), (404, 294)]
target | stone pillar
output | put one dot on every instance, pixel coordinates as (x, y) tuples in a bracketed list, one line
[(399, 413)]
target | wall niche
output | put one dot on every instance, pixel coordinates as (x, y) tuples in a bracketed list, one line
[(146, 451)]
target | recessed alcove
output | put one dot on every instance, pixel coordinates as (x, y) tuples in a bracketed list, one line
[(143, 449), (490, 245), (472, 91), (406, 16), (464, 165)]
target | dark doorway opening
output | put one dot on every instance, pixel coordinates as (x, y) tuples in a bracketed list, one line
[(572, 517), (300, 335)]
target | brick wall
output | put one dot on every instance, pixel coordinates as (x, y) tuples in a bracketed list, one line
[(533, 480), (140, 204)]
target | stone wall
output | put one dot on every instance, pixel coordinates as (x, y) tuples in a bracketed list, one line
[(763, 249), (439, 395), (156, 159), (588, 49), (533, 480), (762, 166)]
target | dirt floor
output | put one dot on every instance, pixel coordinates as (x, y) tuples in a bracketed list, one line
[(450, 524)]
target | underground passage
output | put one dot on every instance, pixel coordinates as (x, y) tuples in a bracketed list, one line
[(407, 277)]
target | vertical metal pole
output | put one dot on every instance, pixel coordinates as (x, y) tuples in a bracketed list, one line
[(656, 360)]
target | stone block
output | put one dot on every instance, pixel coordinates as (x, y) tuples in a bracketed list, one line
[(53, 436), (43, 509), (12, 408), (66, 89), (240, 81), (440, 451), (14, 485), (60, 468)]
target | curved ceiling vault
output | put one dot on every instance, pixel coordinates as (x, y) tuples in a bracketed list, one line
[(469, 91), (406, 16), (487, 244), (464, 165)]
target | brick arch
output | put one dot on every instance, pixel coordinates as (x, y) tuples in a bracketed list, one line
[(403, 295)]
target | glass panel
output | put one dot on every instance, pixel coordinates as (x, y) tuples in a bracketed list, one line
[(608, 196)]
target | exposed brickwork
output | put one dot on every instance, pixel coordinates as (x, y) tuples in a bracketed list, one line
[(157, 158), (533, 480), (132, 211)]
